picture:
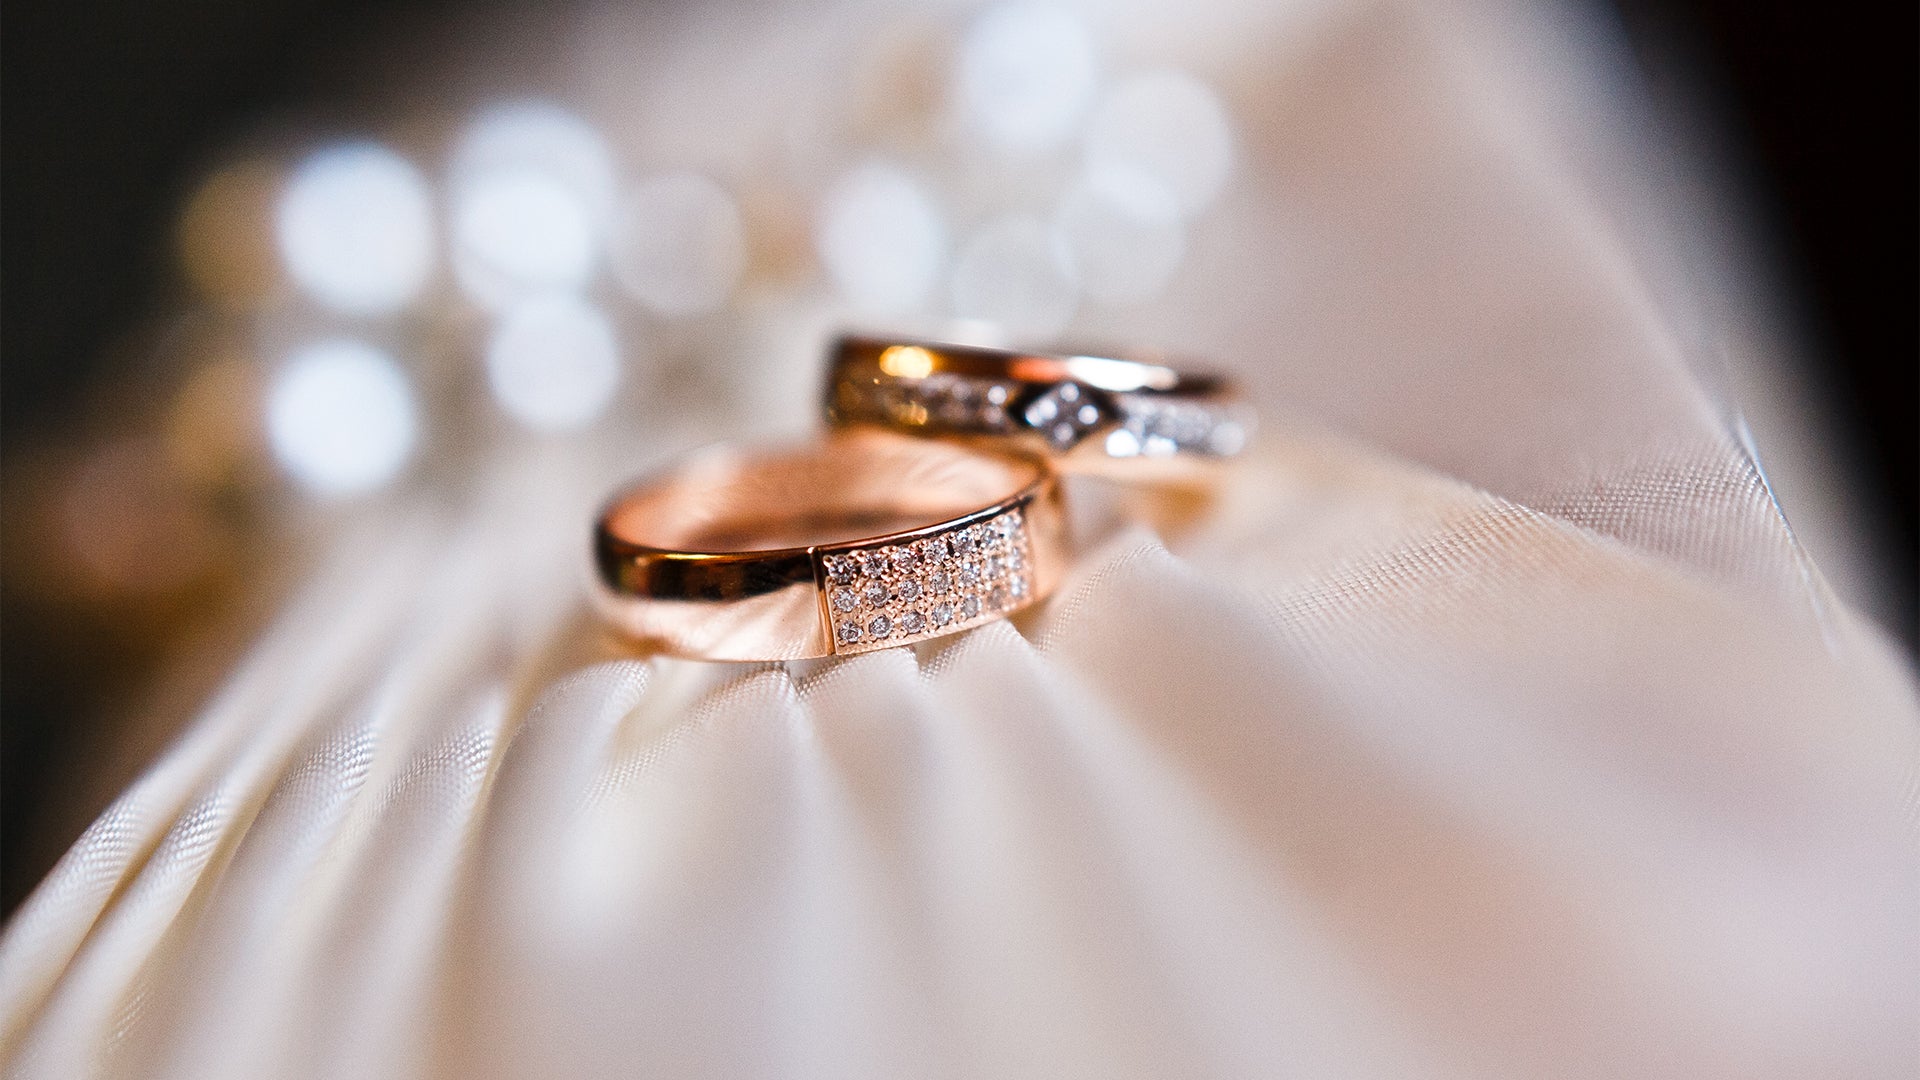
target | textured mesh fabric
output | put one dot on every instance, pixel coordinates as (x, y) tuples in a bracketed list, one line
[(1491, 721)]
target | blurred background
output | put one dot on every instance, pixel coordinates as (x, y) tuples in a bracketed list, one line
[(268, 263)]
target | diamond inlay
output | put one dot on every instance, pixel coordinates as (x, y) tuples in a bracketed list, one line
[(896, 594), (1065, 414), (1125, 424)]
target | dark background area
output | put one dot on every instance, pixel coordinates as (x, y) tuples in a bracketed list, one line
[(109, 106)]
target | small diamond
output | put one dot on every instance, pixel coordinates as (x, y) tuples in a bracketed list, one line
[(957, 407), (969, 573), (1226, 439), (939, 581), (1014, 558), (942, 614), (1065, 414), (912, 622), (901, 557), (879, 626), (1003, 525), (970, 607), (841, 568), (907, 591), (998, 393), (876, 593), (849, 633), (996, 566), (933, 549), (1017, 586), (874, 562), (998, 597), (963, 540), (845, 600)]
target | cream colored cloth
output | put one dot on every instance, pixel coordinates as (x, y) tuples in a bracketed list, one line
[(1492, 723)]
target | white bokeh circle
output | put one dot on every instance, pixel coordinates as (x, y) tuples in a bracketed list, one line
[(1162, 130), (517, 232), (355, 228), (678, 244), (530, 192), (341, 417), (1009, 275), (882, 239), (543, 137), (1120, 251), (553, 363), (1025, 74)]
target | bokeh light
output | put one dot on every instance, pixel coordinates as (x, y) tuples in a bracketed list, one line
[(906, 362), (1025, 75), (882, 239), (355, 228), (211, 430), (1163, 131), (678, 244), (1123, 245), (531, 190), (340, 417), (128, 528), (553, 363), (225, 235), (517, 232), (1010, 274), (541, 137)]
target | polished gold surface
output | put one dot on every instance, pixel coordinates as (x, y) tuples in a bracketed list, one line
[(763, 554), (1129, 419)]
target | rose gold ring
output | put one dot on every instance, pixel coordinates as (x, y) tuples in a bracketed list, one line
[(863, 540), (1124, 418)]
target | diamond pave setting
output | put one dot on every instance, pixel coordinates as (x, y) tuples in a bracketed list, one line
[(912, 590), (1066, 414)]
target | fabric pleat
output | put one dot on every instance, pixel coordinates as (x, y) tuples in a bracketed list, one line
[(1488, 720)]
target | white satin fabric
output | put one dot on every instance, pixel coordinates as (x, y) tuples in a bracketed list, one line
[(1491, 722)]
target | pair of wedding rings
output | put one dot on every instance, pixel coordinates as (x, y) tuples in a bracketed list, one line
[(868, 538)]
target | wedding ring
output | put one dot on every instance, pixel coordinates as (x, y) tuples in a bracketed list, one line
[(863, 540), (1090, 413)]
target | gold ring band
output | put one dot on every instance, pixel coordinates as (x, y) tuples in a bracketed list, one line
[(861, 541), (1090, 413)]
